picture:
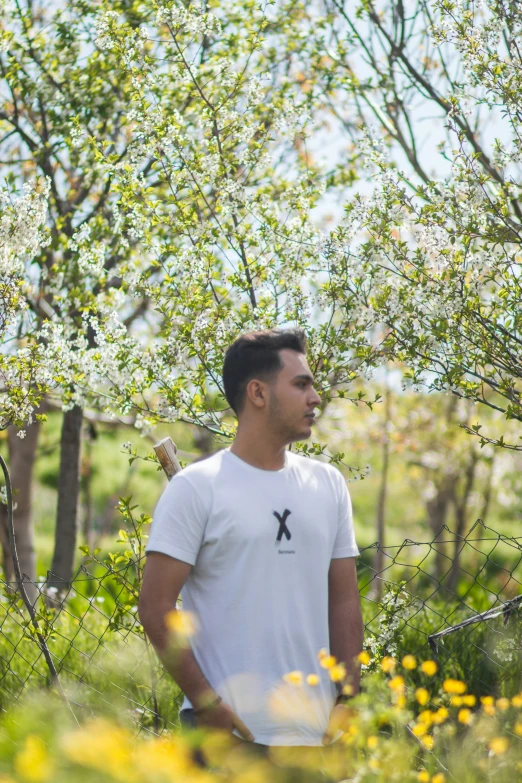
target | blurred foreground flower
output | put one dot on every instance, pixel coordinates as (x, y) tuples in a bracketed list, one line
[(454, 686), (388, 664), (498, 745), (33, 763), (465, 715), (181, 623), (338, 672), (294, 678), (397, 683), (387, 733), (422, 696), (364, 658), (409, 662), (429, 668)]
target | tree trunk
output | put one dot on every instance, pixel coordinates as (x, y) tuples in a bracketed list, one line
[(68, 491), (7, 561), (22, 452), (438, 506), (383, 492), (487, 492), (437, 509), (204, 442), (86, 484), (461, 516)]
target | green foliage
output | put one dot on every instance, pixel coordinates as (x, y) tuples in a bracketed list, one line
[(93, 634), (384, 735)]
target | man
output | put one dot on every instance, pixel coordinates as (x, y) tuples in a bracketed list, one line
[(260, 542)]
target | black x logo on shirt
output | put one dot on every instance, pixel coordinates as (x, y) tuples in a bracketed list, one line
[(283, 530)]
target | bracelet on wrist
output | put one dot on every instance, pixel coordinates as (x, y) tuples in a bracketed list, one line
[(208, 705)]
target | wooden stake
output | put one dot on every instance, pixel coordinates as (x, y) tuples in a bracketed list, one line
[(166, 453)]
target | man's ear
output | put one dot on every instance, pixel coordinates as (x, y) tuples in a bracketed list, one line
[(256, 392)]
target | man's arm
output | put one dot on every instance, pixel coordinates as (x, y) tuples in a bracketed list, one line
[(345, 617), (163, 578), (346, 634)]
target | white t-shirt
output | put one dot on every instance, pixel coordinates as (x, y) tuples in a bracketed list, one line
[(261, 543)]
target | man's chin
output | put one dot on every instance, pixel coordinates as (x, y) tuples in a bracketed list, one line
[(303, 435)]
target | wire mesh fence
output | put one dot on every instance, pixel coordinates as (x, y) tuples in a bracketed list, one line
[(453, 598)]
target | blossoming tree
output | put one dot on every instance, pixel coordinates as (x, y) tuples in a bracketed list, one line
[(177, 143), (23, 377), (429, 98), (180, 207)]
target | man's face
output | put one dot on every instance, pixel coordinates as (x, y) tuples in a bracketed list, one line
[(292, 398)]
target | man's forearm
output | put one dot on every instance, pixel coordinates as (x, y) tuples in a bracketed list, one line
[(346, 637), (177, 658)]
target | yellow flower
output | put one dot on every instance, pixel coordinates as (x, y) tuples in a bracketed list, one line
[(409, 662), (372, 742), (101, 746), (328, 661), (456, 701), (517, 728), (422, 696), (420, 729), (498, 745), (487, 700), (503, 704), (162, 759), (423, 776), (349, 735), (338, 672), (426, 716), (364, 658), (489, 710), (438, 778), (388, 664), (465, 716), (396, 683), (516, 701), (182, 623), (454, 686), (347, 690), (401, 701), (441, 715), (33, 762), (293, 678), (429, 668), (469, 700), (312, 679), (427, 741)]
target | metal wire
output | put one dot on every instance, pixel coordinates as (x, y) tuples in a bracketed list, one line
[(416, 604)]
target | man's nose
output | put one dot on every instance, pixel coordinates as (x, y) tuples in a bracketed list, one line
[(316, 400)]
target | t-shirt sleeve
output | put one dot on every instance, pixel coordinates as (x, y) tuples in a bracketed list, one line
[(179, 520), (344, 545)]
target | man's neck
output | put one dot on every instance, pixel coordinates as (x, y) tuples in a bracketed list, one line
[(258, 450)]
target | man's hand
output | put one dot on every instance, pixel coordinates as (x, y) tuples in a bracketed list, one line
[(221, 716), (339, 720)]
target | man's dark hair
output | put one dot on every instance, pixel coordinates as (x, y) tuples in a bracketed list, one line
[(256, 355)]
